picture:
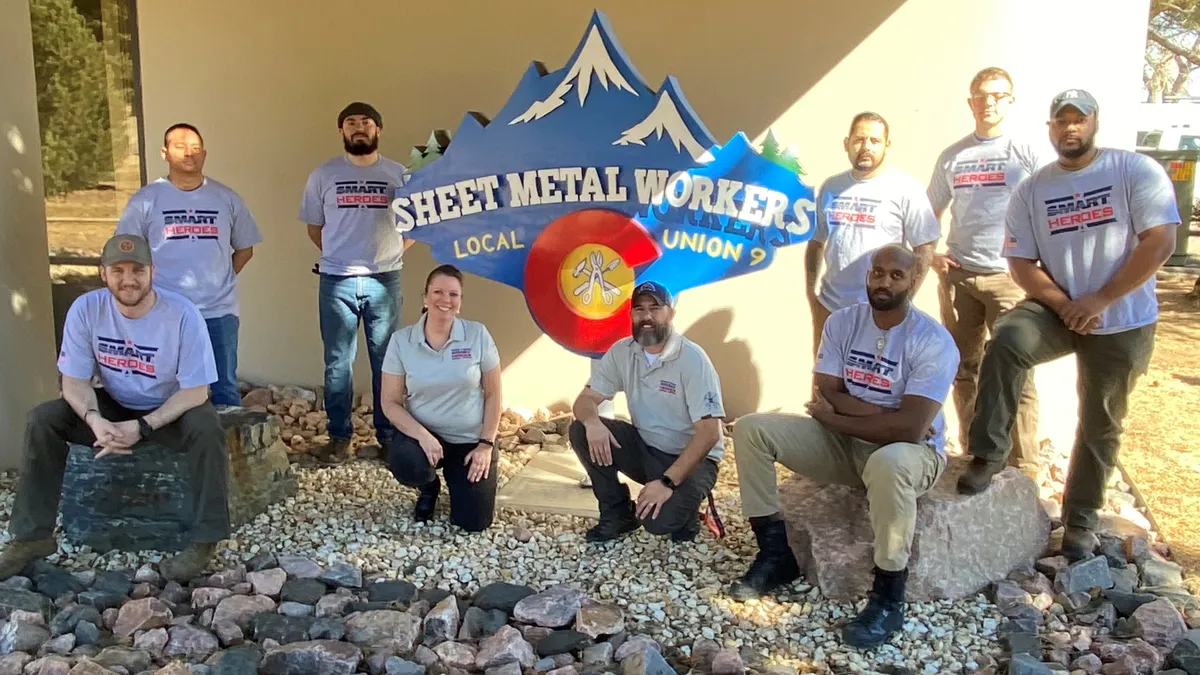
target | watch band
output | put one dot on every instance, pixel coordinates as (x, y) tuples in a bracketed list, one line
[(144, 427), (666, 480), (487, 442)]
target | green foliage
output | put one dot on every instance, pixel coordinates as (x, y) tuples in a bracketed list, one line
[(73, 98), (782, 156), (435, 147)]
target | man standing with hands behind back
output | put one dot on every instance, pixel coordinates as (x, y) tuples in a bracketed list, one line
[(975, 177), (347, 208)]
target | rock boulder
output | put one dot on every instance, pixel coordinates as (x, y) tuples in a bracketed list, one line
[(961, 543)]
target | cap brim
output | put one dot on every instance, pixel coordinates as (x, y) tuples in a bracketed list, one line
[(1078, 105)]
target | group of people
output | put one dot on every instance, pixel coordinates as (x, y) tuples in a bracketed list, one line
[(1044, 257)]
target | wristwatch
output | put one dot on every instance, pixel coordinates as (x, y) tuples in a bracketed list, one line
[(144, 427), (666, 480), (486, 442)]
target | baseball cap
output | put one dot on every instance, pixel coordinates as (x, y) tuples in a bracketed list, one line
[(654, 290), (360, 108), (1079, 98), (125, 248)]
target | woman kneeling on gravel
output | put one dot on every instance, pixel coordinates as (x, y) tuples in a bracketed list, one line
[(441, 388)]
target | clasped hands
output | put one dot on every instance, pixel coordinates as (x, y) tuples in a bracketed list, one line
[(113, 438)]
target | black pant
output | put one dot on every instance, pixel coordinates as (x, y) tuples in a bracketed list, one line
[(643, 464), (1108, 365), (472, 505), (51, 426)]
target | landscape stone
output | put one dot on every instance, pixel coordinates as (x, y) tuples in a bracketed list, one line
[(142, 614), (426, 656), (383, 631), (63, 644), (280, 628), (456, 655), (595, 619), (299, 566), (1084, 576), (1022, 643), (86, 633), (554, 607), (203, 598), (398, 666), (601, 654), (1186, 654), (239, 660), (303, 591), (327, 629), (1127, 603), (1088, 663), (261, 562), (505, 647), (502, 596), (478, 623), (441, 623), (1160, 623), (14, 664), (1007, 594), (634, 645), (388, 591), (239, 608), (52, 581), (191, 642), (562, 642), (972, 540), (342, 575), (268, 582), (647, 662), (20, 634), (12, 598), (1024, 664), (1161, 573), (1125, 579), (727, 662), (332, 605), (228, 632), (133, 660), (317, 657), (117, 582), (295, 609), (152, 642)]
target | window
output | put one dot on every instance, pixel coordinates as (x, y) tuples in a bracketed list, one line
[(89, 114)]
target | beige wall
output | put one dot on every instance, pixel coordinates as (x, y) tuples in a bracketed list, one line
[(27, 373), (264, 81)]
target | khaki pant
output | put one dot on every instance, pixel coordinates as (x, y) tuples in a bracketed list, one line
[(970, 303), (894, 474)]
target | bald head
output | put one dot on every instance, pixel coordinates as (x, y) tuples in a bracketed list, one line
[(891, 278)]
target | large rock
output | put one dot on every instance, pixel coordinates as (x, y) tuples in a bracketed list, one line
[(961, 543), (143, 500)]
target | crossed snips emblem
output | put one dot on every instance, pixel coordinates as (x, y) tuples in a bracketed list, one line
[(595, 277)]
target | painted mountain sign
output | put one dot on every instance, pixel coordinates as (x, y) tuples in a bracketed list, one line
[(588, 182)]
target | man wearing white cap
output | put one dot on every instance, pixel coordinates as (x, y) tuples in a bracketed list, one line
[(1084, 238)]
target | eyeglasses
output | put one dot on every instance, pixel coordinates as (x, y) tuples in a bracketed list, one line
[(991, 98)]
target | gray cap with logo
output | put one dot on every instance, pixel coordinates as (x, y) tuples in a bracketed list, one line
[(1079, 99), (126, 248)]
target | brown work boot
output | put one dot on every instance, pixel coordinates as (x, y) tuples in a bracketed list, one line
[(978, 475), (332, 453), (21, 551), (1079, 543), (188, 564)]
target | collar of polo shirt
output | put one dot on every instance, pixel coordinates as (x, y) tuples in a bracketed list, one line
[(670, 351), (457, 332)]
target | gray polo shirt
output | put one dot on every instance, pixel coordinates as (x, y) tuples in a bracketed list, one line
[(666, 394), (445, 387)]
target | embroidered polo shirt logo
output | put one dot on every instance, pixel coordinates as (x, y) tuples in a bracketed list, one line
[(666, 387), (460, 353)]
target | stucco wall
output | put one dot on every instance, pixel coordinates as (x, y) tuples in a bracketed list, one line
[(264, 81), (27, 374)]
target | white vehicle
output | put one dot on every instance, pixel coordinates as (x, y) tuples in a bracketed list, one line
[(1176, 137)]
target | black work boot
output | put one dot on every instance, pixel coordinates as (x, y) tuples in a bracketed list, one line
[(427, 500), (978, 475), (1079, 543), (884, 613), (775, 564), (613, 525)]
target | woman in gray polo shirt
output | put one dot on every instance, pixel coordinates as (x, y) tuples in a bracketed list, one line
[(441, 388)]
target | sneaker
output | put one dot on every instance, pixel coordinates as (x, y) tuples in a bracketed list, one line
[(332, 453), (189, 564), (20, 551)]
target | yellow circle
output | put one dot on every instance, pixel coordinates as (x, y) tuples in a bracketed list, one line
[(594, 281)]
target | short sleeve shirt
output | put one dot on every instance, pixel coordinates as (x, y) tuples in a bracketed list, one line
[(857, 217), (918, 358), (193, 234), (140, 362), (1083, 225), (666, 398), (445, 387), (976, 177), (352, 204)]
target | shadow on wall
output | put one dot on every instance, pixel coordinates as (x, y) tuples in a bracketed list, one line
[(732, 359)]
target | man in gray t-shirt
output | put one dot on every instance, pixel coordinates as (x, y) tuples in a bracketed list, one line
[(1084, 238), (150, 352), (974, 178), (858, 212), (202, 235), (346, 207)]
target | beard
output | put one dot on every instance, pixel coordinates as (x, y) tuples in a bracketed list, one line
[(649, 334), (884, 300), (130, 297), (359, 146), (1085, 145)]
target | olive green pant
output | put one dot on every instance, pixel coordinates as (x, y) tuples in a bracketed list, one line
[(971, 302), (894, 474)]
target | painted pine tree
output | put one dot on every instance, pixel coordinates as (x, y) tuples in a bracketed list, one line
[(785, 157)]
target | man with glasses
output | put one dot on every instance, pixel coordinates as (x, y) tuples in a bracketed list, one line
[(975, 177), (1084, 238)]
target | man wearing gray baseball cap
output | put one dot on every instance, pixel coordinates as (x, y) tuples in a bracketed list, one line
[(150, 349), (1084, 237)]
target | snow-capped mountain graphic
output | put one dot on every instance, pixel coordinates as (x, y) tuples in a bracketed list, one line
[(592, 59), (665, 118)]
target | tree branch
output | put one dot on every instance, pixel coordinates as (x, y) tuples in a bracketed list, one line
[(1192, 57)]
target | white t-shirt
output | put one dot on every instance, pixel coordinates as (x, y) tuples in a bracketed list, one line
[(193, 234), (141, 362), (1083, 225), (352, 204), (856, 217), (666, 397), (918, 358), (976, 177), (445, 388)]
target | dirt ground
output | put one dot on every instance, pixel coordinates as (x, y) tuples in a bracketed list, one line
[(1160, 449)]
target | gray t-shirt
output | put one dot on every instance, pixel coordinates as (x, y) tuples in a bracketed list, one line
[(193, 234), (666, 395), (1083, 225), (141, 362), (857, 217), (445, 387), (919, 358), (976, 177), (352, 205)]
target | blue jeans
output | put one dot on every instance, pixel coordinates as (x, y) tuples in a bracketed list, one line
[(375, 299), (223, 333)]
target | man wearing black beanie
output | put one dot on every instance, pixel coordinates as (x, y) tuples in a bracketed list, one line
[(346, 206)]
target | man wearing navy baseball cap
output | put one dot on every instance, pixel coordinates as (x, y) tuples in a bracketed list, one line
[(1084, 238), (675, 440)]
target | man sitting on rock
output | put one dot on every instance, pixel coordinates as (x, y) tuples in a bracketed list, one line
[(882, 374), (675, 442), (151, 351)]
